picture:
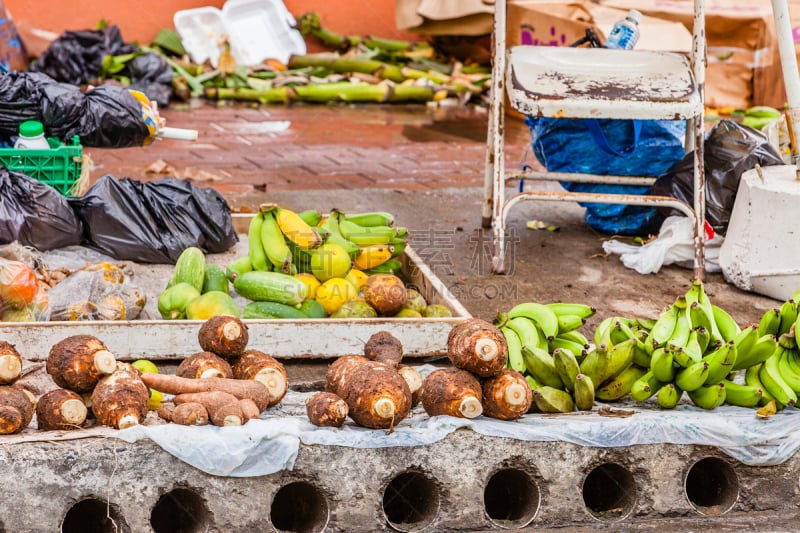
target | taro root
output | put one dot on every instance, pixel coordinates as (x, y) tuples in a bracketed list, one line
[(477, 346), (385, 293), (224, 335), (255, 390), (385, 348), (376, 396), (453, 392), (16, 409), (120, 399), (338, 370), (414, 380), (60, 409), (249, 409), (78, 362), (326, 409), (223, 409), (204, 365), (10, 363), (185, 414), (258, 366), (506, 396)]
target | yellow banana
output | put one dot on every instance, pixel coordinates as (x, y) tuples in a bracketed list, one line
[(373, 255), (295, 228)]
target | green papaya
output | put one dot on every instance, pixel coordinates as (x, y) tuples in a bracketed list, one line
[(212, 303), (172, 303)]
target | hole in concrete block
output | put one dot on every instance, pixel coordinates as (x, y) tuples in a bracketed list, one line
[(511, 498), (299, 506), (180, 511), (93, 515), (411, 501), (712, 486), (609, 492)]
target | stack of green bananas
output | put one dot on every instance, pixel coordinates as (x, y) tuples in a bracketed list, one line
[(544, 344), (759, 116), (284, 241)]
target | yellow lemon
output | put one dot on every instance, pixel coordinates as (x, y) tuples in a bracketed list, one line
[(334, 292), (311, 283), (357, 277), (330, 261), (144, 366), (155, 400)]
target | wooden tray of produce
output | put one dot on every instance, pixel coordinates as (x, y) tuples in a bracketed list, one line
[(284, 338)]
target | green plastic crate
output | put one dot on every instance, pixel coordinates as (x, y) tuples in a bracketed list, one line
[(60, 166)]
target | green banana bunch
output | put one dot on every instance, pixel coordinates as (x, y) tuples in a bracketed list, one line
[(371, 219), (541, 366), (774, 383), (365, 235), (514, 360), (331, 226), (741, 395), (757, 117), (708, 396), (620, 385), (752, 378), (542, 315)]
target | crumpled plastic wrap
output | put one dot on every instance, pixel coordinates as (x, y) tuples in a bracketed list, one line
[(272, 443), (22, 297)]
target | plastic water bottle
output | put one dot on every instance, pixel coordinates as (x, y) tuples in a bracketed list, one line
[(31, 135), (625, 33)]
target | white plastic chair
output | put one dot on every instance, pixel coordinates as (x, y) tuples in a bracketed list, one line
[(567, 82)]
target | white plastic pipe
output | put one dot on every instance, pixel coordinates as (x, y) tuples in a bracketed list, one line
[(178, 134), (791, 78)]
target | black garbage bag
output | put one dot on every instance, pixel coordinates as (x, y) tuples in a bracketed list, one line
[(730, 150), (151, 74), (76, 57), (107, 116), (153, 222), (35, 214)]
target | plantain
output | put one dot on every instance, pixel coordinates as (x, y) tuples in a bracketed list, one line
[(563, 308), (544, 317), (668, 396), (584, 392), (373, 256), (515, 360), (620, 385), (692, 377), (567, 367), (645, 387), (294, 227), (541, 366), (274, 243), (708, 396), (256, 252), (741, 395), (553, 400)]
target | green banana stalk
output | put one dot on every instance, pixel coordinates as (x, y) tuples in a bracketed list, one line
[(728, 328), (544, 317), (692, 377), (770, 323), (645, 387), (708, 396), (567, 367), (514, 360), (581, 310), (773, 382), (553, 400), (256, 252), (620, 385), (371, 219), (541, 366), (741, 395), (661, 365), (668, 396), (584, 392)]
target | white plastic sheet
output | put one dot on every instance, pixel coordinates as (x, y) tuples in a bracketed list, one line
[(271, 444)]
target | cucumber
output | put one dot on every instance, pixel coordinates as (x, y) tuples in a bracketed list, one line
[(238, 267), (313, 309), (270, 287), (190, 268), (215, 279), (271, 310)]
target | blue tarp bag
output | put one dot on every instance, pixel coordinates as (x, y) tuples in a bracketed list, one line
[(610, 147)]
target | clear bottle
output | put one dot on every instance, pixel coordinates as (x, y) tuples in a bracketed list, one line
[(31, 135), (625, 33)]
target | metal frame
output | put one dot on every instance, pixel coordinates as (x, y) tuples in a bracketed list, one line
[(496, 207)]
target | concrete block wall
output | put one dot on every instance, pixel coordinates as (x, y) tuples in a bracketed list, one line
[(464, 482)]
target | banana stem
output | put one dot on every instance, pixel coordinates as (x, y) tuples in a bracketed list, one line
[(342, 65), (277, 95)]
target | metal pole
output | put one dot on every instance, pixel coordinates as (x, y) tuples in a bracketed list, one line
[(791, 79)]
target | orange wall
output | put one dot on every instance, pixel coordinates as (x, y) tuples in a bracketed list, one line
[(140, 20)]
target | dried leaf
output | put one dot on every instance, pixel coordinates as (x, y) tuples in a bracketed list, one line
[(536, 224), (614, 413), (198, 175), (768, 410), (159, 167)]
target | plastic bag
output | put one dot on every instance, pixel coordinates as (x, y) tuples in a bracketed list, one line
[(674, 245), (153, 222), (151, 74), (22, 297), (729, 150), (610, 147), (99, 291), (35, 214), (106, 116)]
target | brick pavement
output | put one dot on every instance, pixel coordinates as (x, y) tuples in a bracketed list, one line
[(243, 149)]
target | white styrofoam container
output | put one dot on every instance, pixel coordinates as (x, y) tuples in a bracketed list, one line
[(255, 29), (761, 251)]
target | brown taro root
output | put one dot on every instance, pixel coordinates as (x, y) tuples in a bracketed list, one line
[(185, 414), (326, 409), (385, 348), (477, 346), (258, 366), (377, 397), (385, 293), (60, 409), (338, 370), (414, 380), (506, 396), (204, 365), (453, 392), (249, 409), (78, 362), (254, 390), (224, 335), (10, 363), (16, 409), (223, 409), (120, 399)]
